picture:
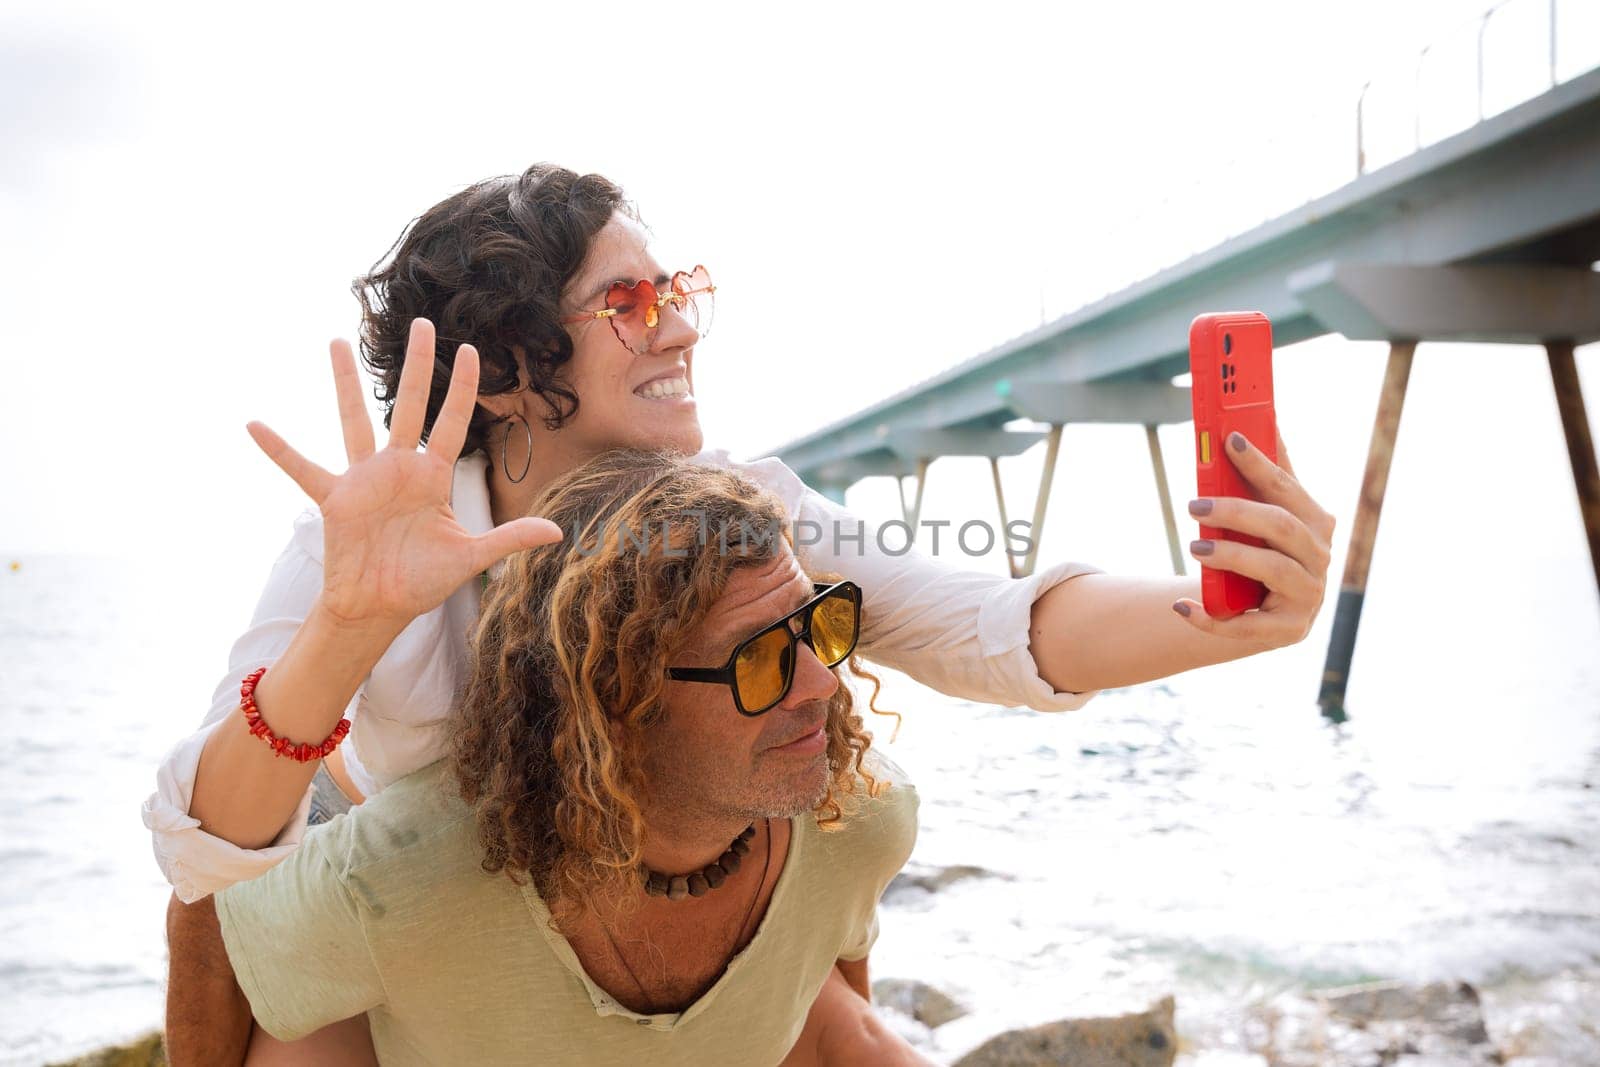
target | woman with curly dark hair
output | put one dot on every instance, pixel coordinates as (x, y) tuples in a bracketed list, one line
[(519, 329), (592, 750)]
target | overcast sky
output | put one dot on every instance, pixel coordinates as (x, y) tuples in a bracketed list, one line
[(880, 190)]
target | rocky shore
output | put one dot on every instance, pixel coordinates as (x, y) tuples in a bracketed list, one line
[(1376, 1025)]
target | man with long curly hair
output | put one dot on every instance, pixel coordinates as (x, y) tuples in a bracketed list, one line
[(660, 835)]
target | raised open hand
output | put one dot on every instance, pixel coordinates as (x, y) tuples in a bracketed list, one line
[(392, 548)]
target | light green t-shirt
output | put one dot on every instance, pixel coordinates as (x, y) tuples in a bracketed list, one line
[(387, 911)]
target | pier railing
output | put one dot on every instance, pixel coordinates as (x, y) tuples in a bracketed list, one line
[(1526, 28)]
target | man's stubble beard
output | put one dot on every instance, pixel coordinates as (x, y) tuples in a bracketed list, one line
[(783, 802), (710, 788)]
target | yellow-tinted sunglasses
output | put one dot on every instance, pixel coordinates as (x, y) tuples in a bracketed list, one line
[(761, 670)]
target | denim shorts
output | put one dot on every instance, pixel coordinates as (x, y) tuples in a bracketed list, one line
[(327, 800)]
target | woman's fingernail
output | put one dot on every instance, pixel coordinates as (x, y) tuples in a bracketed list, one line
[(1202, 547), (1181, 608), (1199, 507), (1236, 439)]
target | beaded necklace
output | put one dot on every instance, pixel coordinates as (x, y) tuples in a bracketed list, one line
[(713, 874), (766, 865)]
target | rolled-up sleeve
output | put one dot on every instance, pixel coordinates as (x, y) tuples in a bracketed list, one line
[(962, 632), (1005, 619), (195, 862)]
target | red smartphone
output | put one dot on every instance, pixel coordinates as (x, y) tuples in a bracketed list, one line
[(1230, 363)]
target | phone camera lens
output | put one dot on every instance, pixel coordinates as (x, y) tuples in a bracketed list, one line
[(1227, 344)]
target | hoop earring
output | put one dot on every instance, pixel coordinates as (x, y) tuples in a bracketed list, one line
[(505, 445)]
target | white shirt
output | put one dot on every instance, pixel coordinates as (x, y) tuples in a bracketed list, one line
[(964, 633)]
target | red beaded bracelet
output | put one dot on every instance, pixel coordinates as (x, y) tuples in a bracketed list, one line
[(282, 746)]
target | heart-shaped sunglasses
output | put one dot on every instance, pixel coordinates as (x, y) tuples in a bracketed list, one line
[(635, 310)]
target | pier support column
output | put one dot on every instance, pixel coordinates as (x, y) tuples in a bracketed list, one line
[(1000, 499), (1364, 531), (919, 448), (913, 511), (1580, 445), (1042, 503), (1496, 303), (1166, 499), (1056, 403)]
